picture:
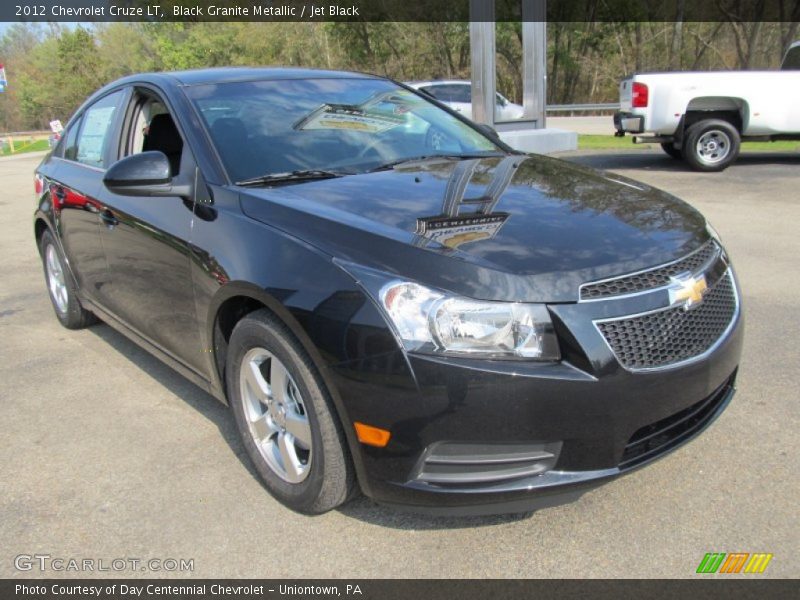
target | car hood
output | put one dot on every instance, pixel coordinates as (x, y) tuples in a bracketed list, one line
[(521, 228)]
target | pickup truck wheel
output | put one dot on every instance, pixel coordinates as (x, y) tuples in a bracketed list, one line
[(670, 149), (63, 294), (711, 145), (286, 418)]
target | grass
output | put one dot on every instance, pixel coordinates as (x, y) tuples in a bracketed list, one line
[(23, 146), (609, 142)]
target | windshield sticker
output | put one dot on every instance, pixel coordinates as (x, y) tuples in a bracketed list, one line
[(331, 116)]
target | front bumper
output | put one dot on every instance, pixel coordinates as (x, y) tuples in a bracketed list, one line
[(625, 122), (596, 418)]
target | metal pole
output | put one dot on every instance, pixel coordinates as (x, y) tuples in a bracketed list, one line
[(482, 52), (534, 60)]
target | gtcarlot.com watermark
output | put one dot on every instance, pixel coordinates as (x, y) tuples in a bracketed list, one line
[(45, 563)]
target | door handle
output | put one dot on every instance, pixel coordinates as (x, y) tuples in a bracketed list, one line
[(108, 218)]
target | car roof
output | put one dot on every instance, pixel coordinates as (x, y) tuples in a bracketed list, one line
[(439, 82), (231, 74), (226, 74)]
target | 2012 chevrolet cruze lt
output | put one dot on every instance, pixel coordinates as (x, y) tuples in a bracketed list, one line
[(387, 296)]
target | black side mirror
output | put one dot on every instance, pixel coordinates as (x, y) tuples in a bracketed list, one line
[(143, 174), (489, 131)]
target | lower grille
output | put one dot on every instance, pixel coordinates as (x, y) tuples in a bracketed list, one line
[(455, 464), (667, 337), (657, 438)]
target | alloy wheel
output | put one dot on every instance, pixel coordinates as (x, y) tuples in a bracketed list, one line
[(55, 279), (276, 415)]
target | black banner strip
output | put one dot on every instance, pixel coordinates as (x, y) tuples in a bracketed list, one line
[(703, 586), (736, 11)]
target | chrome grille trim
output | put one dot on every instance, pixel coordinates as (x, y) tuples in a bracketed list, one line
[(591, 291)]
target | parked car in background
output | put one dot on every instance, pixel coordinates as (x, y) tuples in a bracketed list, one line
[(458, 96), (703, 117), (387, 297)]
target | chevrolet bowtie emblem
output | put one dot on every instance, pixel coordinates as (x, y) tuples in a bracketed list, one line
[(688, 290)]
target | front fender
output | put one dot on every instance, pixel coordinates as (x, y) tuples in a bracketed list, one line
[(236, 259)]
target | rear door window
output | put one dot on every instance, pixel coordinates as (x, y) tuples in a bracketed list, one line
[(70, 144), (461, 93), (440, 92), (94, 135)]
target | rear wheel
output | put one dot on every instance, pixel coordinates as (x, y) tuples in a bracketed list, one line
[(671, 150), (286, 418), (62, 290), (711, 145)]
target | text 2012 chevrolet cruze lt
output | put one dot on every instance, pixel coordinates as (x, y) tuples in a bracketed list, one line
[(388, 297)]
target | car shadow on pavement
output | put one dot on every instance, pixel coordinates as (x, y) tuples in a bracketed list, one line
[(651, 160), (196, 397), (368, 511), (360, 508)]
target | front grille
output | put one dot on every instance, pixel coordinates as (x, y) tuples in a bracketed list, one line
[(671, 336), (654, 278), (657, 438)]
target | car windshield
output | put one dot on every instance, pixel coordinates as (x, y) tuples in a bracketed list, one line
[(340, 125)]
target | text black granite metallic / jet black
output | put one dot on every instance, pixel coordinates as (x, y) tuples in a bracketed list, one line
[(389, 298)]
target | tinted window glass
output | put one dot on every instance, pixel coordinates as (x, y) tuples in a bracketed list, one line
[(347, 125), (94, 134), (440, 92), (461, 93), (71, 141), (792, 60)]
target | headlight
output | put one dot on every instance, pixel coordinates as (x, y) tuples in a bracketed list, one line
[(430, 321)]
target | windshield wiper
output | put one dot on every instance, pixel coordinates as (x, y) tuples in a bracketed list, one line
[(305, 175), (394, 163)]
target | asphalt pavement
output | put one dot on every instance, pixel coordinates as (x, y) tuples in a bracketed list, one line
[(106, 453)]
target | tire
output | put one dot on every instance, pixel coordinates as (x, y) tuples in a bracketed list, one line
[(671, 150), (60, 286), (292, 436), (711, 145)]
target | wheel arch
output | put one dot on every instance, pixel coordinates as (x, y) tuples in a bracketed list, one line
[(39, 227), (733, 109), (235, 301)]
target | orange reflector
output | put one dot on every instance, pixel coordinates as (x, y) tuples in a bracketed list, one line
[(372, 436)]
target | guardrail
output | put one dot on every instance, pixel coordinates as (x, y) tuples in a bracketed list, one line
[(38, 133), (572, 108), (15, 141)]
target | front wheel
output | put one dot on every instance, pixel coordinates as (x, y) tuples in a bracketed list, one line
[(286, 418), (711, 145)]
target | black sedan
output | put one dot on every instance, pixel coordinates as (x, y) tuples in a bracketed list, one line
[(388, 297)]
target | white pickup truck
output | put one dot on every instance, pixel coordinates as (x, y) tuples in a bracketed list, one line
[(703, 116)]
